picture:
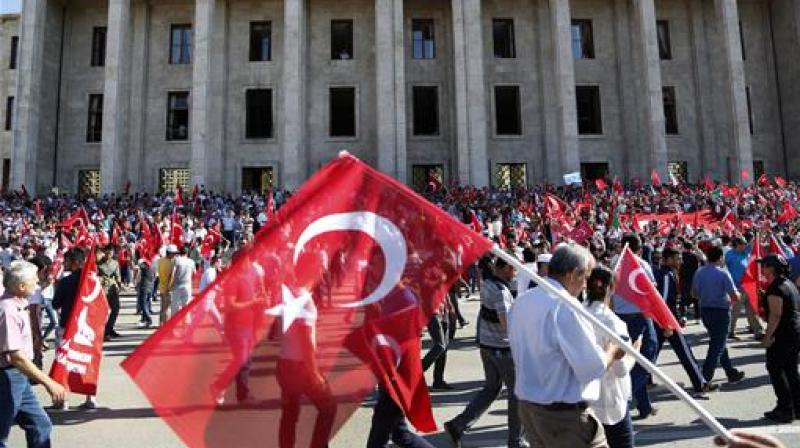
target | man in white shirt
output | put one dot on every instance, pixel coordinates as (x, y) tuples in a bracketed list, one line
[(181, 285), (557, 359)]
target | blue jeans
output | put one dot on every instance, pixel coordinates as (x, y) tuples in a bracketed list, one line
[(143, 303), (52, 319), (620, 434), (18, 404), (716, 321), (638, 325)]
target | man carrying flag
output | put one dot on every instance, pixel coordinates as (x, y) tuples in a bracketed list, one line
[(736, 260)]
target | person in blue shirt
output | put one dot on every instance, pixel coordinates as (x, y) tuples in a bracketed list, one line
[(715, 291), (736, 260)]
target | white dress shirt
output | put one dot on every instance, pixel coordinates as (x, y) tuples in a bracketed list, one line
[(556, 355), (615, 386)]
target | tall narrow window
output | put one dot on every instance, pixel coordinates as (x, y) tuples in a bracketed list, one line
[(426, 110), (741, 39), (99, 46), (94, 121), (177, 116), (588, 107), (582, 39), (180, 51), (422, 37), (259, 113), (9, 113), (342, 112), (12, 62), (260, 41), (341, 39), (664, 44), (507, 110), (749, 109), (670, 110), (503, 33)]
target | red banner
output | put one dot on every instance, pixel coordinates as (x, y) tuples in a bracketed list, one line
[(77, 363)]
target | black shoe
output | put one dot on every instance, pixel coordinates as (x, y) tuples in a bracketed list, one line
[(710, 387), (114, 334), (441, 385), (736, 377), (779, 417), (455, 436), (463, 323)]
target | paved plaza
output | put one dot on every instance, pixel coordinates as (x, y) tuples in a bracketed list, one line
[(125, 419)]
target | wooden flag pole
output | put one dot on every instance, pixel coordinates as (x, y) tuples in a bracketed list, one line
[(576, 306)]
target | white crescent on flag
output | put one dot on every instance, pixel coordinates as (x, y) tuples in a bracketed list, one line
[(383, 340), (96, 289), (632, 280), (383, 231)]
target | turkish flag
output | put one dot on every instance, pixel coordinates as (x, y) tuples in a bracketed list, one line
[(778, 248), (281, 375), (77, 360), (178, 195), (601, 184), (554, 207), (176, 229), (763, 180), (582, 232), (655, 178), (617, 186), (708, 183), (752, 280), (635, 286), (780, 182), (788, 214)]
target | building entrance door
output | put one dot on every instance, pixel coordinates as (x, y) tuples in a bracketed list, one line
[(593, 171), (257, 179)]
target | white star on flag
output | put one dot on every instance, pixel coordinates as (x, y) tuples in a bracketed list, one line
[(294, 307)]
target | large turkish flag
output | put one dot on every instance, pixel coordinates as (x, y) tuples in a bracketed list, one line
[(635, 286), (274, 370)]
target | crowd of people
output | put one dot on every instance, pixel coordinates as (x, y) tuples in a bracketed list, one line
[(694, 242)]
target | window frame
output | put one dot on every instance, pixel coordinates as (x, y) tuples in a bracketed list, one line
[(663, 40), (270, 109), (423, 56), (94, 118), (184, 47), (598, 104), (350, 46), (98, 51), (253, 49), (668, 94), (10, 105), (170, 114), (13, 53), (496, 110), (437, 96), (510, 34), (586, 39), (750, 118), (356, 127)]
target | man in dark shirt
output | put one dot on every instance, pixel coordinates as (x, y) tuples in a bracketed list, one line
[(67, 287), (692, 259)]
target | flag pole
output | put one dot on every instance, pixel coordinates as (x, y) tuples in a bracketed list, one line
[(576, 306)]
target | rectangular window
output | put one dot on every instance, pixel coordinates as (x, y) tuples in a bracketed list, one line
[(664, 44), (177, 116), (168, 178), (423, 175), (582, 39), (99, 46), (758, 168), (260, 41), (341, 39), (180, 50), (12, 62), (342, 112), (422, 38), (670, 111), (503, 32), (507, 111), (426, 110), (678, 170), (749, 109), (88, 183), (588, 107), (259, 113), (94, 120), (741, 39), (511, 175), (9, 113)]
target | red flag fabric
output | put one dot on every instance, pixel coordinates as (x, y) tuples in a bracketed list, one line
[(270, 205), (788, 213), (476, 223), (37, 207), (582, 232), (77, 361), (601, 184), (554, 207), (176, 229), (745, 175), (285, 326), (23, 190), (763, 180), (617, 185), (752, 276), (780, 182), (178, 195), (655, 178), (708, 183), (635, 286)]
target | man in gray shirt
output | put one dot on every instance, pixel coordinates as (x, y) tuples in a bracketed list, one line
[(181, 287), (498, 366)]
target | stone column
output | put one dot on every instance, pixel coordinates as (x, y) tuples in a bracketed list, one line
[(28, 101), (471, 118), (294, 92), (206, 117), (116, 97), (564, 84), (390, 87), (651, 97), (703, 88), (741, 152), (138, 98)]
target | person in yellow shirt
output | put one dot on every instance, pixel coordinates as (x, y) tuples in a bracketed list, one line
[(165, 267)]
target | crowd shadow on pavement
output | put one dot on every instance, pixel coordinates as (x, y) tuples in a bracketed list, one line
[(80, 416)]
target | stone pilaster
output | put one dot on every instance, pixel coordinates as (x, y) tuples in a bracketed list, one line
[(702, 84), (136, 132), (649, 86), (390, 87), (733, 89), (206, 118), (471, 118), (30, 73), (116, 97), (295, 41), (564, 83)]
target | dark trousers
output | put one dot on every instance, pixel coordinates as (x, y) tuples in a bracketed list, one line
[(389, 422), (684, 353), (783, 374), (620, 434), (113, 304), (143, 296), (438, 351), (638, 326), (18, 404), (297, 380), (52, 319), (456, 309), (717, 321)]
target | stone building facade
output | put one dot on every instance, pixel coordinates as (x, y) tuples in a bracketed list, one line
[(242, 94), (9, 51)]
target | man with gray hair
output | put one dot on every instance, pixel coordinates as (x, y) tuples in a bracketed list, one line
[(557, 359), (19, 403)]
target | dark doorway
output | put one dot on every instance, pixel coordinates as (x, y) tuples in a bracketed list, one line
[(593, 171), (257, 179)]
